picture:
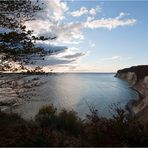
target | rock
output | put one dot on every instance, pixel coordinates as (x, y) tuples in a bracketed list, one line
[(146, 82), (137, 77)]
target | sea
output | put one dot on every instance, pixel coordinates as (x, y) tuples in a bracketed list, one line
[(80, 92)]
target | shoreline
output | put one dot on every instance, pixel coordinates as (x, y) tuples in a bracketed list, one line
[(42, 94), (17, 88), (130, 105), (137, 78)]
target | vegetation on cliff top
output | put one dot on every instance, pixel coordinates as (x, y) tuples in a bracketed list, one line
[(141, 71)]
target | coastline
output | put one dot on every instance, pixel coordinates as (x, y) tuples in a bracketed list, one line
[(15, 88), (131, 104), (137, 78), (41, 91)]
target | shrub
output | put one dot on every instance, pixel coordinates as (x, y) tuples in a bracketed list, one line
[(65, 128), (69, 121), (47, 116), (63, 121)]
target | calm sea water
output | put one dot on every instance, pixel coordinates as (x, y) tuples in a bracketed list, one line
[(77, 91)]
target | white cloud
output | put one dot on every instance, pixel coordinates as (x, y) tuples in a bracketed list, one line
[(57, 8), (93, 11), (77, 13), (116, 58), (109, 23), (53, 10), (68, 33), (91, 44), (112, 58), (84, 10), (71, 32), (52, 14), (52, 22), (121, 15), (90, 18)]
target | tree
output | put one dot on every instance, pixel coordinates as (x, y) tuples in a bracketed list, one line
[(16, 42)]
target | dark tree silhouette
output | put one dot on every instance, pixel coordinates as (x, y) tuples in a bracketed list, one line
[(16, 42)]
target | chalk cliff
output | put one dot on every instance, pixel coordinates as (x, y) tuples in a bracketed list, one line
[(137, 77)]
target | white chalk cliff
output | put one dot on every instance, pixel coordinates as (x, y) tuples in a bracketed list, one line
[(137, 77)]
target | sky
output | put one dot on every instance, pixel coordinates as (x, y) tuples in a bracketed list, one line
[(93, 35)]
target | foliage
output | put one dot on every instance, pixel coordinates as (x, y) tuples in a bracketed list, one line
[(16, 42), (141, 71), (64, 128), (15, 12), (66, 121)]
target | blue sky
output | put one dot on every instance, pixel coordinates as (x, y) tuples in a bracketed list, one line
[(99, 36)]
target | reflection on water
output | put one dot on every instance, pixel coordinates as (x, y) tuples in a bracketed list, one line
[(76, 91)]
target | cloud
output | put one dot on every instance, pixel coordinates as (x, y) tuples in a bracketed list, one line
[(71, 53), (84, 10), (116, 58), (52, 14), (65, 58), (90, 18), (110, 23), (53, 10), (93, 11), (91, 44), (68, 33), (48, 47), (50, 22), (121, 15), (73, 56), (60, 68), (57, 8), (51, 60), (53, 22), (77, 13), (72, 32), (112, 58)]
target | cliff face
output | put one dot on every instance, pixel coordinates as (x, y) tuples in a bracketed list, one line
[(137, 77), (130, 77), (140, 71)]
